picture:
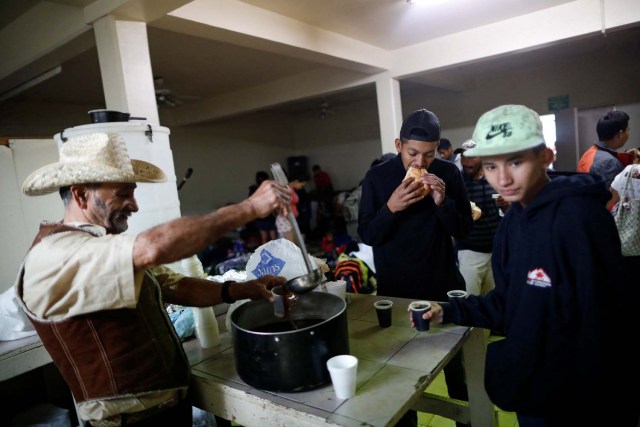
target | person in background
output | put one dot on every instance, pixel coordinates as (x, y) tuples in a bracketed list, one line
[(619, 193), (603, 157), (95, 294), (617, 186), (267, 225), (323, 194), (560, 287), (445, 150), (304, 207), (410, 232), (352, 202), (285, 228), (474, 250)]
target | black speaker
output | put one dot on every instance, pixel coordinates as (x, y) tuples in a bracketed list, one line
[(298, 168)]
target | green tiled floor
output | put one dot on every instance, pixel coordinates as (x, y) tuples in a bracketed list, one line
[(439, 387)]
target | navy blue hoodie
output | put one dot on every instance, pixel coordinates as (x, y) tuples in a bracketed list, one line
[(560, 302)]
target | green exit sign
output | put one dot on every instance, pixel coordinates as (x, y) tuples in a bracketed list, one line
[(556, 103)]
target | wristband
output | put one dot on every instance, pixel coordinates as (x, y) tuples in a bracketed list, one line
[(224, 293)]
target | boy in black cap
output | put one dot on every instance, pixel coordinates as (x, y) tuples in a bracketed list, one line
[(410, 232)]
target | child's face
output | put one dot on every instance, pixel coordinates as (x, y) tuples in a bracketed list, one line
[(518, 177)]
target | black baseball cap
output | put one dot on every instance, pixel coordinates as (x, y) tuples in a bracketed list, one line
[(421, 125)]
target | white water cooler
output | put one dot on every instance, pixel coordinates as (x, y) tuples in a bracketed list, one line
[(158, 203)]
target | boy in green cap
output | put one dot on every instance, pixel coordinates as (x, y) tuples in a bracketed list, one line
[(560, 284)]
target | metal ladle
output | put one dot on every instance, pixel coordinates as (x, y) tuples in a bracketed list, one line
[(309, 281)]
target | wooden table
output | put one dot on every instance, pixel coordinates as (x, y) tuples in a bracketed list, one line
[(395, 366)]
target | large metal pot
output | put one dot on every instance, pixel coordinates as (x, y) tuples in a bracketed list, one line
[(271, 358)]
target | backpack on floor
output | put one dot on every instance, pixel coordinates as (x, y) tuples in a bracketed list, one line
[(360, 279)]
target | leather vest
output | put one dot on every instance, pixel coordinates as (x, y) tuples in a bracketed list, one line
[(114, 353)]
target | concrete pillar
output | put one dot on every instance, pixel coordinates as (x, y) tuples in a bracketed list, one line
[(125, 65), (389, 112), (127, 78)]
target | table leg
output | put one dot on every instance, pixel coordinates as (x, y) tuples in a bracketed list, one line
[(482, 412)]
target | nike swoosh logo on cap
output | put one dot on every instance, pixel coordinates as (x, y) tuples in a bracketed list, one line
[(493, 135)]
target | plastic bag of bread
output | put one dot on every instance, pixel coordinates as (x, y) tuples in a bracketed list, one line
[(476, 212)]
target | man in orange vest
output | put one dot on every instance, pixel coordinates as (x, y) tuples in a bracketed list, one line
[(603, 158)]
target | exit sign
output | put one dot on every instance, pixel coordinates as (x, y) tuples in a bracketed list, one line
[(556, 103)]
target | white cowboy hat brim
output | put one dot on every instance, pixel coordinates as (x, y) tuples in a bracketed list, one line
[(52, 177), (91, 159)]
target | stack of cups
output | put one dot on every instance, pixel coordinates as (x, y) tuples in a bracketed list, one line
[(206, 326), (204, 317)]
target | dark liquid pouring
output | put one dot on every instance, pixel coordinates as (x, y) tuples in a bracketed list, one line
[(289, 300)]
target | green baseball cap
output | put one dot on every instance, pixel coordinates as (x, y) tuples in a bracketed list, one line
[(506, 129)]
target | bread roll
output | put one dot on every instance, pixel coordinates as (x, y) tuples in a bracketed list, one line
[(476, 212), (416, 173)]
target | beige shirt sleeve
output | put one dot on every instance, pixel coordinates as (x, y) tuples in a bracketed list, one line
[(73, 273), (166, 277)]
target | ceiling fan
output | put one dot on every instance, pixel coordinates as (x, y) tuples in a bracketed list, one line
[(166, 98), (325, 110)]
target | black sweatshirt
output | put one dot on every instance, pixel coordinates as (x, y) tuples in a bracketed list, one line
[(412, 249)]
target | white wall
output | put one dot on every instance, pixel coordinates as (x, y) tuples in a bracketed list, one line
[(21, 215), (225, 158)]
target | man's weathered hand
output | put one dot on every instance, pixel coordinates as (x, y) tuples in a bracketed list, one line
[(256, 289), (269, 197)]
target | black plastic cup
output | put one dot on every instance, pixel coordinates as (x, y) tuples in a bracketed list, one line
[(384, 310), (456, 294), (418, 308)]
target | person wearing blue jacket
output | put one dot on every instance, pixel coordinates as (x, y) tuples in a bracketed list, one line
[(562, 295)]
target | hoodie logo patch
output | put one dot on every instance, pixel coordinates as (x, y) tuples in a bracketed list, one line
[(538, 277)]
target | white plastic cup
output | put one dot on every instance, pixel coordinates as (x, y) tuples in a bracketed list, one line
[(343, 370), (206, 326), (337, 288)]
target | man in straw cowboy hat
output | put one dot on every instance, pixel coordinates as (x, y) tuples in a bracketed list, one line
[(96, 296), (561, 293)]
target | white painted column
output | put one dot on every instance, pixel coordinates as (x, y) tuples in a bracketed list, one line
[(389, 112), (125, 65)]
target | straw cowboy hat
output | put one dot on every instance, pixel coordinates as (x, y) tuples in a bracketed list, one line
[(89, 159)]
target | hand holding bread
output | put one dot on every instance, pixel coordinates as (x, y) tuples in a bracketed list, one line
[(476, 212), (416, 174)]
